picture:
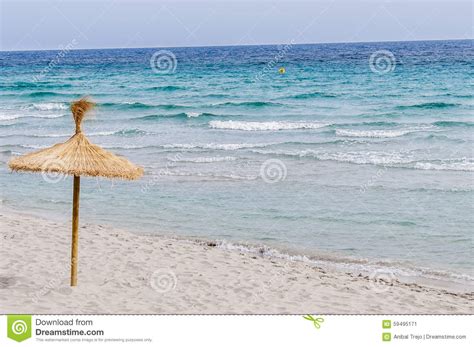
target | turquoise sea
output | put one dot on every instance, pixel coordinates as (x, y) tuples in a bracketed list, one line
[(356, 155)]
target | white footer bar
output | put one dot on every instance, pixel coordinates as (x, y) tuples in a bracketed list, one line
[(236, 330)]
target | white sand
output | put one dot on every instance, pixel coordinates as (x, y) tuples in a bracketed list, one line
[(123, 272)]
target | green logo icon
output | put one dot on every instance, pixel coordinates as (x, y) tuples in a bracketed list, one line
[(386, 337), (19, 327), (316, 321), (386, 324)]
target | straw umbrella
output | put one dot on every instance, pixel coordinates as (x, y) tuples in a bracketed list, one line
[(77, 157)]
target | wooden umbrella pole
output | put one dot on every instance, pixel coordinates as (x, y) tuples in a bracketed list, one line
[(75, 231)]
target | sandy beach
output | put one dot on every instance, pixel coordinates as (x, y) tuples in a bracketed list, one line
[(125, 272)]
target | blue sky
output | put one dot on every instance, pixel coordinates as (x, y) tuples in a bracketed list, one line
[(27, 25)]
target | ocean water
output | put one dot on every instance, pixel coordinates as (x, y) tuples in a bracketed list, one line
[(366, 164)]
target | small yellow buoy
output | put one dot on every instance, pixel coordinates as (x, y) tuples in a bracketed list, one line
[(281, 70)]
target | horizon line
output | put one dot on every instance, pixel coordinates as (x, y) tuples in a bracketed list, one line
[(241, 45)]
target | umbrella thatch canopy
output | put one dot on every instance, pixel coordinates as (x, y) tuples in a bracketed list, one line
[(77, 157)]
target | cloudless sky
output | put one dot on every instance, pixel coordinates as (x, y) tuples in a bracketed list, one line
[(41, 24)]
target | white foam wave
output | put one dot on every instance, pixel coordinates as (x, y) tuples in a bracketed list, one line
[(210, 176), (369, 157), (375, 133), (34, 146), (183, 146), (100, 133), (351, 264), (193, 114), (204, 159), (49, 106), (218, 146), (262, 126), (17, 116), (402, 159), (54, 135), (125, 147), (462, 165), (9, 117)]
